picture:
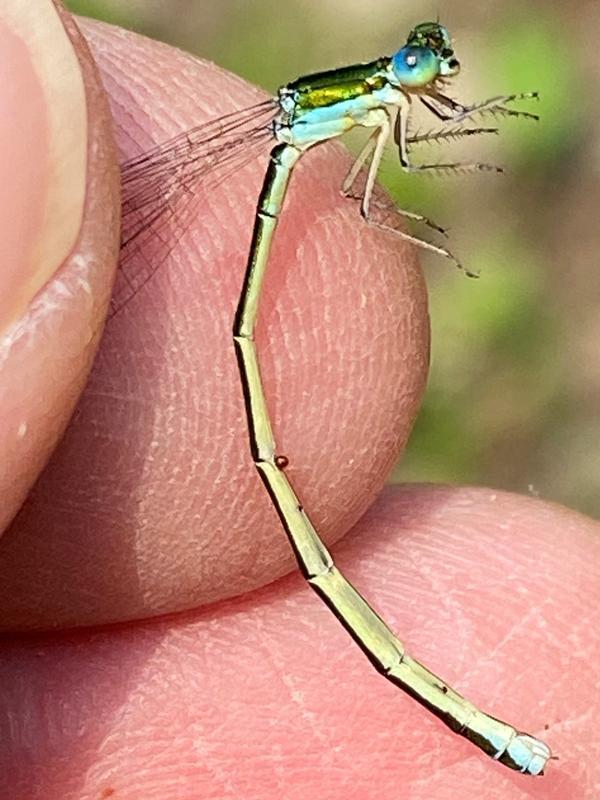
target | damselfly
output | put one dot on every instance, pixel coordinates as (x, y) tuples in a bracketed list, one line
[(305, 113)]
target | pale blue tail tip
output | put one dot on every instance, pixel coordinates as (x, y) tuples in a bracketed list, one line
[(528, 753)]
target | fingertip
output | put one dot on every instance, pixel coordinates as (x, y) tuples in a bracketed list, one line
[(240, 698)]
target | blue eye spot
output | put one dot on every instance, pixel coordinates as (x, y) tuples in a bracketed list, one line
[(415, 66)]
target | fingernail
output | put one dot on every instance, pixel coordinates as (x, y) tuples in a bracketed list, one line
[(43, 151)]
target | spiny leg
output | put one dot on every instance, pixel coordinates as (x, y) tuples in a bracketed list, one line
[(456, 109), (423, 244), (415, 217), (455, 167), (374, 149), (497, 105), (460, 113), (385, 651), (449, 134), (382, 136), (360, 161), (401, 139)]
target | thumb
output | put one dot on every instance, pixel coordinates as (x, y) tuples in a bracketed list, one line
[(59, 199)]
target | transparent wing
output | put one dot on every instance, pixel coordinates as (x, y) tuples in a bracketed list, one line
[(162, 187)]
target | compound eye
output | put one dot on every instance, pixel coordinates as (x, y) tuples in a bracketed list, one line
[(415, 66)]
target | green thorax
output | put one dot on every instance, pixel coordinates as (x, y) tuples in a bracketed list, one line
[(337, 85)]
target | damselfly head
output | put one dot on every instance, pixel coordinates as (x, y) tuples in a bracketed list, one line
[(436, 38), (426, 56)]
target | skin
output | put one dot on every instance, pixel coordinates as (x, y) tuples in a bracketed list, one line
[(58, 206), (263, 695)]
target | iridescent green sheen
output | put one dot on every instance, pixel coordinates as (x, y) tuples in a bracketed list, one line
[(337, 85), (331, 77), (431, 35)]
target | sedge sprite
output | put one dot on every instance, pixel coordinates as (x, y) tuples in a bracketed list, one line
[(303, 114)]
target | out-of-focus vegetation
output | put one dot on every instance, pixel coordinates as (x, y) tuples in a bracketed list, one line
[(514, 394)]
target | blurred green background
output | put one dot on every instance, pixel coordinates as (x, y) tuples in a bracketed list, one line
[(514, 393)]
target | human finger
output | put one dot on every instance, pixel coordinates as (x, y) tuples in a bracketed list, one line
[(152, 503)]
